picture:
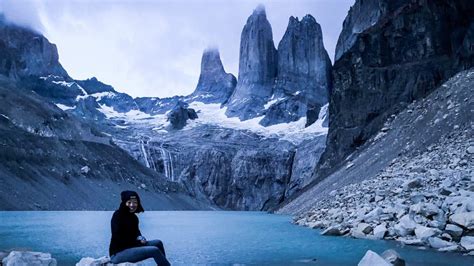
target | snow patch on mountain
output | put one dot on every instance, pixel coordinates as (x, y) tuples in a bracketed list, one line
[(65, 107), (271, 102), (294, 131), (131, 116)]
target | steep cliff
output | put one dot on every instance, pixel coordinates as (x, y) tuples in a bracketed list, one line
[(25, 53), (403, 57), (304, 74), (257, 68)]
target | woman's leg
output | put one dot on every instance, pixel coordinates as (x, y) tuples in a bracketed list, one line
[(157, 243), (140, 253)]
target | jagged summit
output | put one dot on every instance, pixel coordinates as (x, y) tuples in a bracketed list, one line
[(257, 68), (304, 74), (214, 85), (259, 10), (211, 61)]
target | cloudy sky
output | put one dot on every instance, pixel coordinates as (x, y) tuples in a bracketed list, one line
[(154, 48)]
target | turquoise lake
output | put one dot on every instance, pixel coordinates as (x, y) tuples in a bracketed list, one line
[(201, 238)]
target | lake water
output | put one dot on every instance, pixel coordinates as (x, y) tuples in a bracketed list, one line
[(201, 237)]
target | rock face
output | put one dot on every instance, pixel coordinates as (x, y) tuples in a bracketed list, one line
[(306, 158), (257, 68), (304, 74), (361, 16), (409, 52), (215, 85), (234, 169), (421, 195), (25, 53)]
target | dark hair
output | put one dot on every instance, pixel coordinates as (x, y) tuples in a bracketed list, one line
[(127, 195)]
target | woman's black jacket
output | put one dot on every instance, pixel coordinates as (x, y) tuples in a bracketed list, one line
[(125, 231)]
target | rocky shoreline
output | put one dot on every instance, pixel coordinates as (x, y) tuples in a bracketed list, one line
[(427, 200)]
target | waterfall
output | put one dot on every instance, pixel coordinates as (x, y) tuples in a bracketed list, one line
[(166, 157), (147, 155), (167, 162)]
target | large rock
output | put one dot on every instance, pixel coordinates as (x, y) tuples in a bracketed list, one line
[(393, 257), (423, 232), (380, 231), (436, 242), (180, 114), (467, 242), (332, 231), (464, 219), (304, 73), (405, 226), (453, 230), (371, 258), (257, 68), (405, 55), (102, 261), (29, 258), (215, 85)]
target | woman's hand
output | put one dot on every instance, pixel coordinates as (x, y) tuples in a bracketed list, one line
[(142, 239)]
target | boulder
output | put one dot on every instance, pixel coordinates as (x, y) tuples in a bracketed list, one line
[(436, 242), (315, 224), (453, 230), (180, 114), (411, 184), (29, 258), (425, 209), (467, 242), (405, 226), (464, 219), (393, 257), (373, 215), (361, 230), (371, 258), (470, 150), (380, 231), (332, 231), (102, 261), (423, 232)]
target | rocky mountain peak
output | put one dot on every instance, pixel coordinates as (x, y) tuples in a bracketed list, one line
[(304, 73), (27, 53), (211, 61), (214, 85), (259, 10), (257, 67)]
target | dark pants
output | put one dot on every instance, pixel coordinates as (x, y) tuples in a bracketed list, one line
[(153, 249)]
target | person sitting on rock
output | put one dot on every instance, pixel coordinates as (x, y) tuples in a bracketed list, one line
[(127, 243)]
